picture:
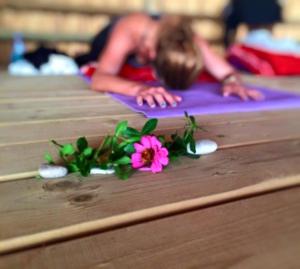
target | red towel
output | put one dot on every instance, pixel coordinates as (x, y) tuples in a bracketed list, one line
[(264, 62)]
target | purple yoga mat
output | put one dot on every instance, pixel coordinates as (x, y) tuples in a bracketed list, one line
[(205, 98)]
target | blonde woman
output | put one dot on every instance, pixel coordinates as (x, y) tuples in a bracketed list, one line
[(175, 52)]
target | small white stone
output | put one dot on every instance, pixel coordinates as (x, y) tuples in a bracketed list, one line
[(98, 171), (204, 146), (52, 171)]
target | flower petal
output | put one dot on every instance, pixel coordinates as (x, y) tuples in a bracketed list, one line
[(163, 152), (145, 169), (155, 142), (146, 141), (138, 147), (164, 161), (156, 167), (136, 160)]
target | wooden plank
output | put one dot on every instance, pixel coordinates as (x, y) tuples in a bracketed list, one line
[(14, 116), (25, 100), (49, 108), (19, 84), (290, 83), (61, 92), (225, 132), (100, 225), (32, 206), (283, 126), (13, 112), (259, 232), (49, 103)]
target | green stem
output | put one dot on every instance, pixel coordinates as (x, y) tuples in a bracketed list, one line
[(56, 144), (100, 148)]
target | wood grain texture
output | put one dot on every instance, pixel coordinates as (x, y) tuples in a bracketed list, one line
[(289, 83), (255, 147), (32, 140), (285, 125), (99, 225), (46, 84), (32, 206), (259, 232), (43, 114)]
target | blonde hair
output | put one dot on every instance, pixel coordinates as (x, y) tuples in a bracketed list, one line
[(178, 60)]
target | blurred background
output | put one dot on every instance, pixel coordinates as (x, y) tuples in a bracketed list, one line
[(69, 25)]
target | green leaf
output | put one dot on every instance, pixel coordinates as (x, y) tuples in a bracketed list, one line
[(131, 132), (123, 160), (83, 165), (149, 126), (103, 166), (114, 143), (48, 158), (129, 148), (162, 139), (192, 118), (68, 149), (130, 141), (82, 143), (192, 156), (106, 144), (188, 139), (88, 151), (84, 172), (72, 168), (121, 127), (124, 171)]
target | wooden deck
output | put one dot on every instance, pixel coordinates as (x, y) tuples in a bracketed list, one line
[(236, 208)]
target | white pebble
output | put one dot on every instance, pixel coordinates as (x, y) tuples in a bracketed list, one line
[(52, 171), (98, 171), (204, 146)]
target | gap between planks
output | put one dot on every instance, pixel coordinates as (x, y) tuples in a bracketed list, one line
[(265, 114), (71, 231)]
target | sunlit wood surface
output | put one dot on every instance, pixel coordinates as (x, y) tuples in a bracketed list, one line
[(253, 221)]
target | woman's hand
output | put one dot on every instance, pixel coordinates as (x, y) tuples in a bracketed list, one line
[(154, 96), (232, 85)]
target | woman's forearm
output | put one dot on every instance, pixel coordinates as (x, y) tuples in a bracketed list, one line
[(111, 83), (214, 64)]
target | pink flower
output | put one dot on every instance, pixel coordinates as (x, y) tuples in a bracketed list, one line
[(149, 155)]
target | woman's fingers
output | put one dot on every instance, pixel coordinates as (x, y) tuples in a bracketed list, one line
[(160, 100), (171, 99), (150, 100), (139, 100), (256, 95), (235, 90), (242, 92), (157, 95)]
